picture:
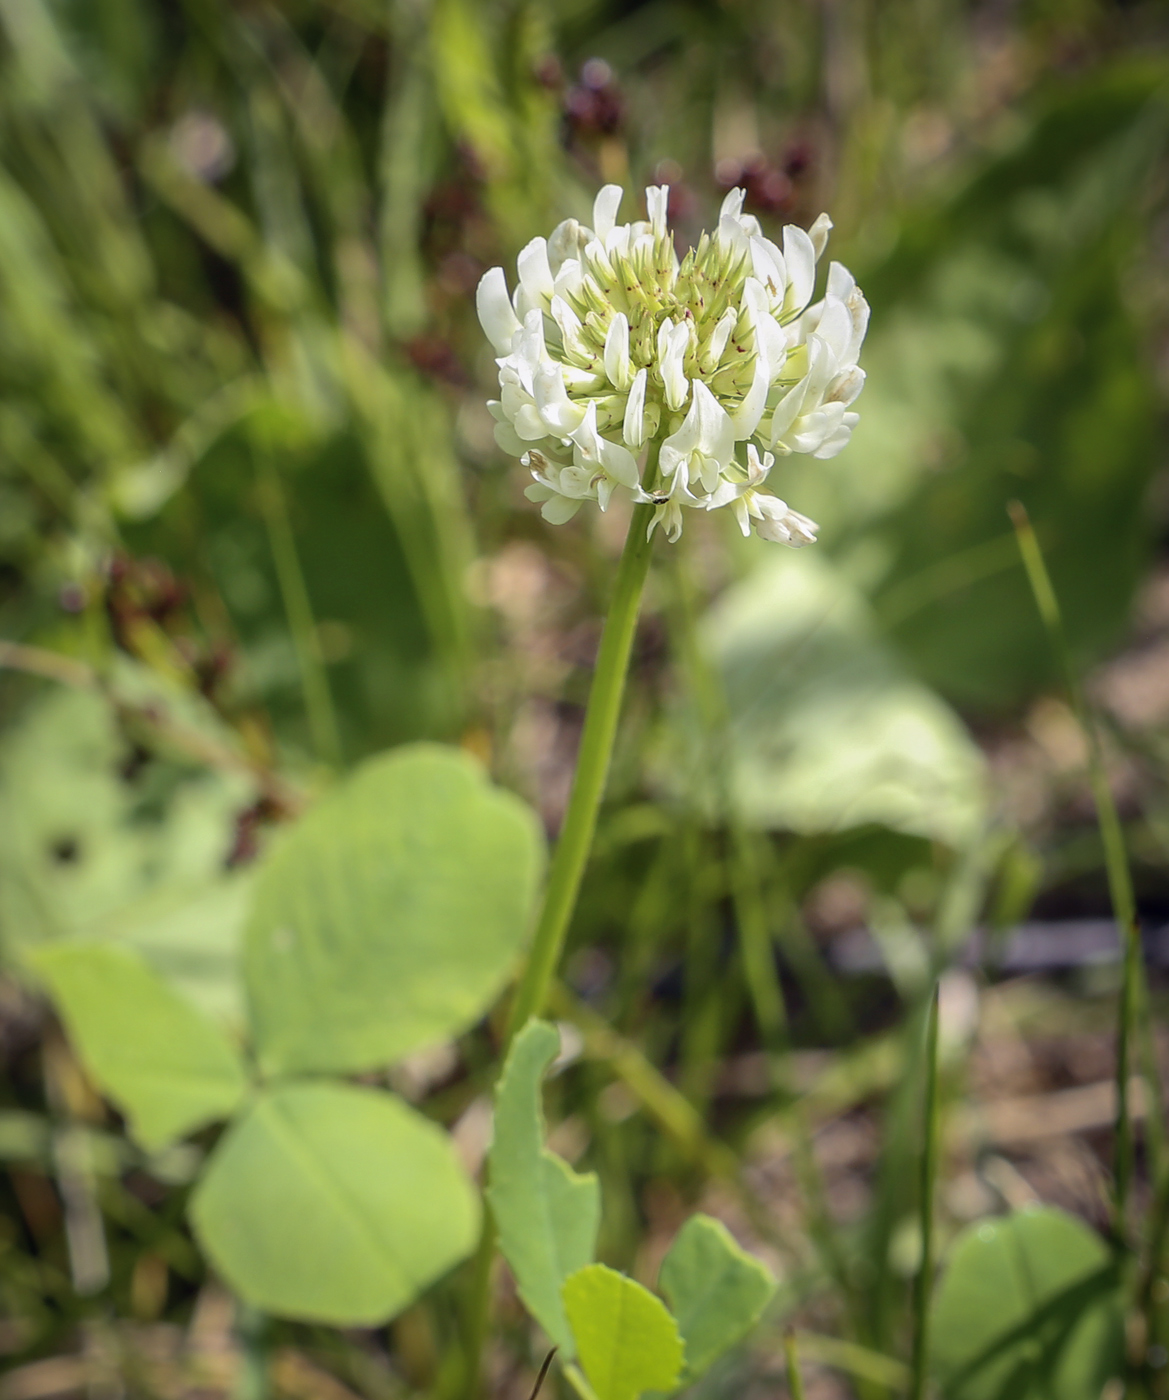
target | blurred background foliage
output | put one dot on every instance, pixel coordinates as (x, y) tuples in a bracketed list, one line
[(253, 527)]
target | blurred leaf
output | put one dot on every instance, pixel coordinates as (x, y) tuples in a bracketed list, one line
[(97, 842), (390, 915), (715, 1289), (164, 1064), (468, 84), (826, 731), (333, 1204), (1028, 1308), (1007, 360), (25, 1137), (627, 1341), (547, 1214)]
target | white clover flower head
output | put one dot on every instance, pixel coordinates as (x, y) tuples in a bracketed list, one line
[(610, 342)]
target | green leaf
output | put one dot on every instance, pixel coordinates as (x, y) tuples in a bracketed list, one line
[(90, 848), (628, 1343), (716, 1290), (389, 917), (334, 1204), (826, 730), (547, 1214), (1028, 1309), (164, 1064)]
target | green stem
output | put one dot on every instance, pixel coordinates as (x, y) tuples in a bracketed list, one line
[(252, 1380), (929, 1173), (318, 702), (1156, 1265), (1120, 885), (571, 854), (795, 1382), (478, 1308), (592, 768)]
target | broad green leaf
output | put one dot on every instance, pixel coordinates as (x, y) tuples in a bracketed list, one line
[(334, 1204), (94, 848), (1028, 1309), (826, 731), (627, 1342), (547, 1214), (164, 1064), (715, 1288), (389, 917)]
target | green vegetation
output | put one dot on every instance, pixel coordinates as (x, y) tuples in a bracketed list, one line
[(295, 685)]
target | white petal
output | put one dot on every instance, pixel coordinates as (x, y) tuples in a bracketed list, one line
[(770, 337), (813, 430), (605, 207), (566, 241), (799, 255), (619, 463), (532, 350), (496, 316), (559, 510), (859, 310), (732, 236), (679, 446), (719, 337), (507, 440), (835, 328), (745, 418), (840, 281), (617, 363), (838, 440), (822, 369), (557, 411), (569, 278), (787, 410), (767, 262), (534, 271), (586, 440), (847, 386), (716, 431), (673, 342), (657, 200), (818, 233), (757, 470), (569, 324), (732, 206), (529, 425), (633, 429)]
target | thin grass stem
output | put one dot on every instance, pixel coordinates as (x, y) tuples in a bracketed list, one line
[(860, 1362), (1120, 884), (929, 1172), (795, 1382), (318, 701)]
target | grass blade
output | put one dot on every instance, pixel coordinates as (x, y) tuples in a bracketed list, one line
[(795, 1382), (929, 1172), (1116, 863)]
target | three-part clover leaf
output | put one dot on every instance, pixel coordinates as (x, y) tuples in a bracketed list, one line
[(387, 919)]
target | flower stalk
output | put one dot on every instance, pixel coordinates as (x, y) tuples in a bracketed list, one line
[(592, 766)]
